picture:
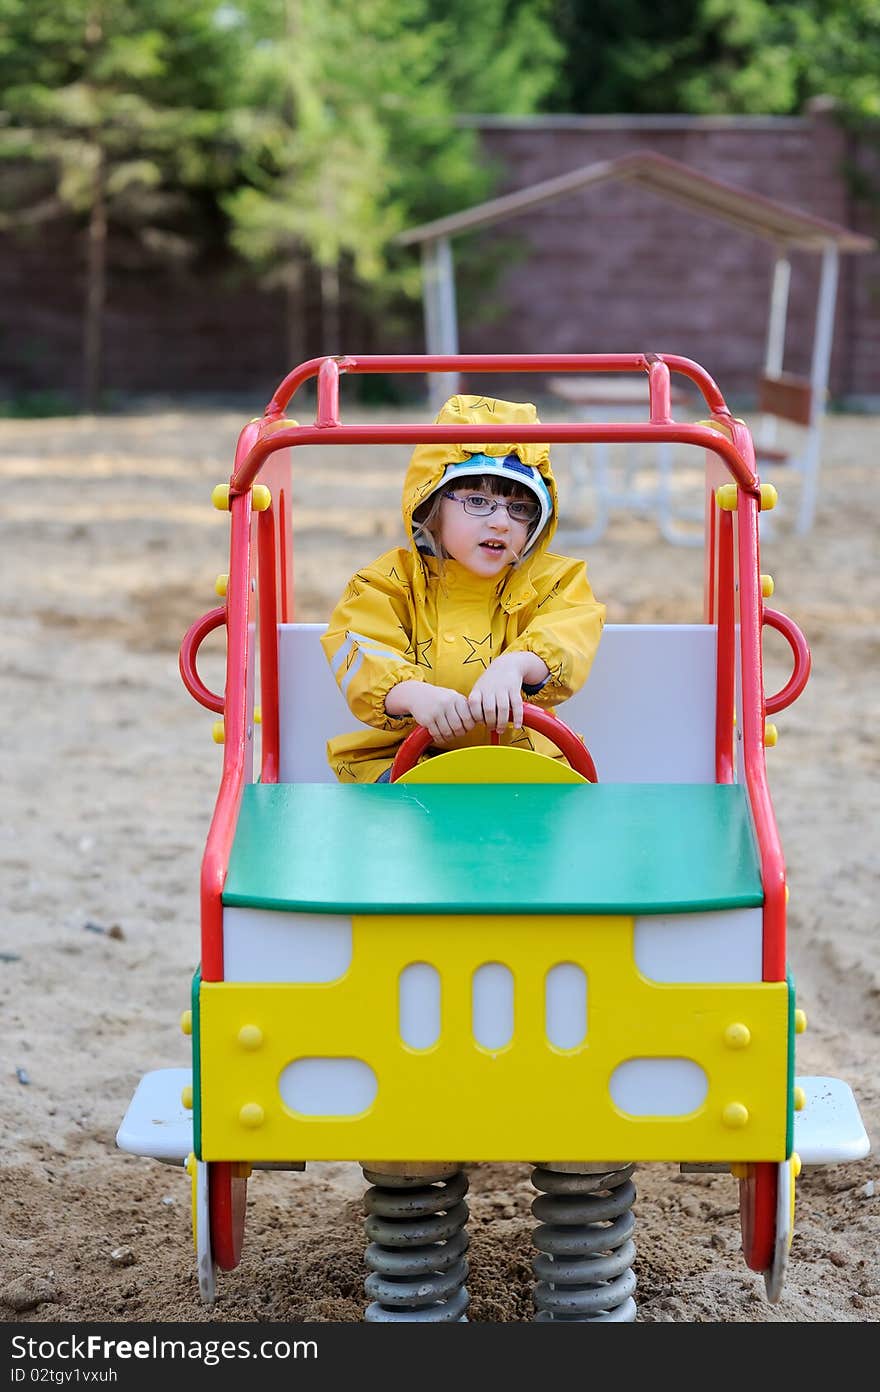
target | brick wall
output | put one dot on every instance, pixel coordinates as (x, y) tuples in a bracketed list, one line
[(609, 269), (618, 269)]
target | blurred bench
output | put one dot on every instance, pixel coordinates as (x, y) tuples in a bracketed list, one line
[(789, 398), (620, 398)]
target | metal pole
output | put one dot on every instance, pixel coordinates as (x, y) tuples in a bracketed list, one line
[(775, 351), (441, 325), (819, 371)]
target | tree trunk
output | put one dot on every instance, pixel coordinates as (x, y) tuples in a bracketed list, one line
[(330, 310), (294, 314), (96, 290)]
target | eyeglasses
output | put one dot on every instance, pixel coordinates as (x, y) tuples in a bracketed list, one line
[(518, 509)]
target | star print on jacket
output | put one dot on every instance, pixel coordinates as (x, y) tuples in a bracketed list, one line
[(556, 674), (553, 592), (522, 740), (355, 585), (483, 657), (417, 651)]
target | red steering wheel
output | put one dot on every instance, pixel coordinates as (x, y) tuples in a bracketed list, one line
[(556, 730)]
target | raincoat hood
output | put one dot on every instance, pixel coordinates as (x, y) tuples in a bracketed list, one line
[(428, 464)]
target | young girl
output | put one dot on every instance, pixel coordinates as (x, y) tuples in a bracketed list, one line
[(452, 632)]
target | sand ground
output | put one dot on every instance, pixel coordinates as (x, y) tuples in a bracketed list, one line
[(110, 549)]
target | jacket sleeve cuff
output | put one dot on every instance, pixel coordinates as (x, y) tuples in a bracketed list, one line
[(533, 688), (551, 689), (386, 684)]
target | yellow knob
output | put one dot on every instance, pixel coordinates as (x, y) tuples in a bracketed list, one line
[(726, 497), (261, 498), (221, 585), (258, 715), (218, 732), (800, 1099), (190, 1164), (800, 1021), (787, 894), (186, 1097), (735, 1115), (796, 1165), (220, 497), (251, 1115), (771, 735), (767, 586), (186, 1022), (250, 1036), (739, 1170), (737, 1036), (769, 497), (720, 428)]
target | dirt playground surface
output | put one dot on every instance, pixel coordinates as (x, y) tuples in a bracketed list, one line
[(110, 548)]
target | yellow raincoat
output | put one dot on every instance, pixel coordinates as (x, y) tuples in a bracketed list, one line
[(410, 617)]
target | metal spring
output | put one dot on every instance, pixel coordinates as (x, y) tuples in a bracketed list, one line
[(584, 1238), (417, 1247)]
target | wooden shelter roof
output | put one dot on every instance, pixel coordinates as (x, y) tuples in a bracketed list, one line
[(670, 179)]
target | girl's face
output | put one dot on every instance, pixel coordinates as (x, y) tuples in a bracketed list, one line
[(483, 545)]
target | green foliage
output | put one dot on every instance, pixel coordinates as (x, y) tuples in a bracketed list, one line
[(121, 100), (313, 151), (119, 106), (309, 133), (36, 405), (718, 56), (320, 129), (773, 57), (623, 55), (346, 118)]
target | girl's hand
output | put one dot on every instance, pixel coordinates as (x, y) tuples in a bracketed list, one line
[(496, 697), (443, 712)]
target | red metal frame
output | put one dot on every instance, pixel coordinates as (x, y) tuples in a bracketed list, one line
[(327, 371), (567, 433), (731, 552), (192, 641), (725, 652), (239, 607), (227, 1201), (757, 1210), (802, 661), (268, 622), (751, 606)]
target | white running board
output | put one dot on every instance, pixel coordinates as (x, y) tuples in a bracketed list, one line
[(156, 1122), (828, 1130)]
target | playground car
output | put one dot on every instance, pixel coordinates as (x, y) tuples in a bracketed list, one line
[(498, 956)]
